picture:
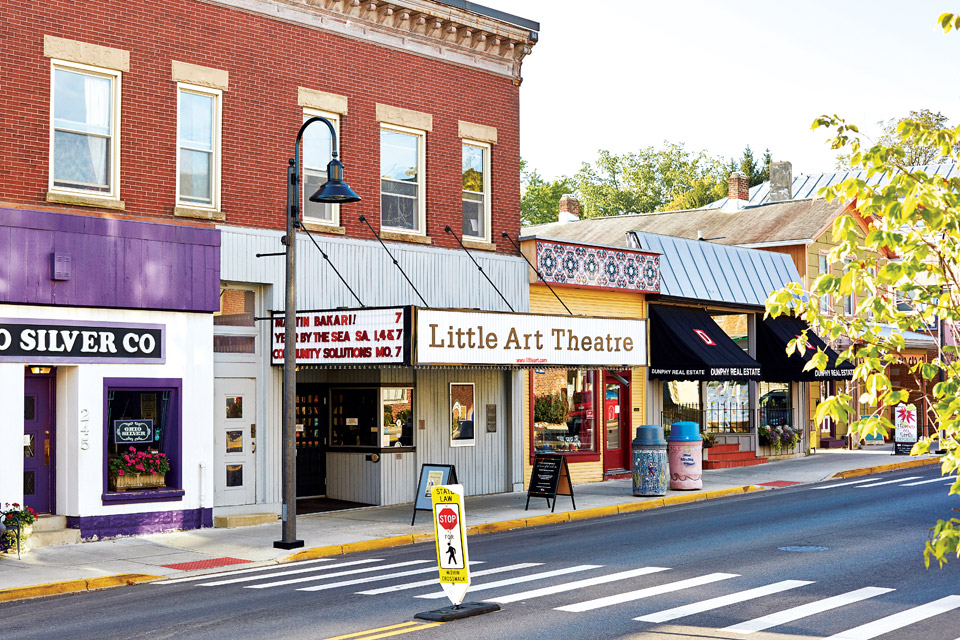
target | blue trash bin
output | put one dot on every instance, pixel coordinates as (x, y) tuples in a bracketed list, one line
[(649, 461)]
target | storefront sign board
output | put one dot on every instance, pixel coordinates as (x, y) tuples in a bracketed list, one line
[(550, 477), (346, 337), (132, 431), (62, 341), (445, 337), (450, 533), (905, 421)]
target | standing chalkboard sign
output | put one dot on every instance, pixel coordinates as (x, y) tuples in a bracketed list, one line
[(431, 475), (550, 478), (132, 431)]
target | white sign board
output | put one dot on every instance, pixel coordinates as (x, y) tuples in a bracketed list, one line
[(905, 420), (449, 530), (358, 336), (469, 337)]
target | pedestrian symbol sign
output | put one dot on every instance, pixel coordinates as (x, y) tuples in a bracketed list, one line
[(448, 528)]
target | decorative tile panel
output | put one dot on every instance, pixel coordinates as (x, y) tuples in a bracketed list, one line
[(587, 266)]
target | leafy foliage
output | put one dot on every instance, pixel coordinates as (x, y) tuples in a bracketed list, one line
[(550, 407), (916, 152), (916, 218), (134, 462), (540, 201)]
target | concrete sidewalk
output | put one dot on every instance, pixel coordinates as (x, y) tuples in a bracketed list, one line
[(93, 565)]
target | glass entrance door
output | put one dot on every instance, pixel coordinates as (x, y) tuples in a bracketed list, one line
[(616, 420)]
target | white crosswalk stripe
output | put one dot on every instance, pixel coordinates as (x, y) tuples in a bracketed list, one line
[(337, 574), (722, 601), (207, 576), (805, 610), (947, 479), (579, 584), (347, 583), (639, 594), (289, 572), (899, 620), (844, 484), (433, 582), (880, 484), (528, 578)]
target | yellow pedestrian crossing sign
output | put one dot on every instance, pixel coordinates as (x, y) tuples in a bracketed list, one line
[(450, 533)]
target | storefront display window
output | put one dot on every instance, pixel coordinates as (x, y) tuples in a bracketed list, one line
[(728, 407), (681, 402), (564, 410), (371, 417), (142, 432), (776, 405), (461, 414)]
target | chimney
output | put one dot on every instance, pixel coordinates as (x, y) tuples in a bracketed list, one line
[(738, 192), (781, 181), (569, 208)]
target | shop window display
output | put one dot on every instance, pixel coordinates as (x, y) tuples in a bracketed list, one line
[(372, 417), (728, 407), (564, 413), (142, 431)]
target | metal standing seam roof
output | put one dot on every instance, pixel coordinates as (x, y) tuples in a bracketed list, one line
[(808, 186), (709, 272)]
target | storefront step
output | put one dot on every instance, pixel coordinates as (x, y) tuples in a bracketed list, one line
[(243, 520), (52, 530), (733, 456), (827, 442), (724, 448), (722, 464)]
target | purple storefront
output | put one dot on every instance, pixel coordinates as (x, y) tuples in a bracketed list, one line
[(106, 341)]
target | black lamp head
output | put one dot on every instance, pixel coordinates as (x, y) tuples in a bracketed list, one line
[(335, 190)]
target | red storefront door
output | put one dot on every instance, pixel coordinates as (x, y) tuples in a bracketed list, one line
[(616, 421)]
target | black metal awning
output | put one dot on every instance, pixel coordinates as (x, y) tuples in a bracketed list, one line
[(686, 344), (773, 334)]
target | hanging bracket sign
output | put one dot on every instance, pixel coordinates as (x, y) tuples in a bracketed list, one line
[(450, 533)]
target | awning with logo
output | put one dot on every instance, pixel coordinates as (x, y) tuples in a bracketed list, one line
[(686, 344), (773, 334)]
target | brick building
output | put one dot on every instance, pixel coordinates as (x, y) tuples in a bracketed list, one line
[(148, 149)]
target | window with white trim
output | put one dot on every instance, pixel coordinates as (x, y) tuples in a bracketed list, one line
[(315, 155), (84, 121), (198, 146), (402, 189), (824, 268), (849, 301), (476, 191)]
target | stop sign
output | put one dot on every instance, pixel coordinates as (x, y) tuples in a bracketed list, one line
[(447, 518)]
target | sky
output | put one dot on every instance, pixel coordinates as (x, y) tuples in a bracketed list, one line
[(716, 76)]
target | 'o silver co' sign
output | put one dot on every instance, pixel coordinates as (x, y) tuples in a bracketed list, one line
[(37, 341)]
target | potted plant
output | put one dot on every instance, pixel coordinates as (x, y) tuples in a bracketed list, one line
[(552, 409), (134, 469), (18, 524)]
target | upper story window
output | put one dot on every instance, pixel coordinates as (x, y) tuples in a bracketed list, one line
[(198, 141), (84, 141), (402, 188), (316, 148), (849, 301), (476, 190), (824, 267)]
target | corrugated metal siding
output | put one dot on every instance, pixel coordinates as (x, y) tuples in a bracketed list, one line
[(350, 476), (444, 277), (699, 270), (398, 477)]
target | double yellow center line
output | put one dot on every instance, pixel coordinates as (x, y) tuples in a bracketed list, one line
[(387, 632)]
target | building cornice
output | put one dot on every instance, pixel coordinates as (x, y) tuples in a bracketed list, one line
[(422, 27)]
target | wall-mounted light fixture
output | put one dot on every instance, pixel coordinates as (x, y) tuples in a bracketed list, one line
[(40, 371)]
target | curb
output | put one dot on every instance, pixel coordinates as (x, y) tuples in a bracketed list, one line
[(521, 523), (71, 586), (894, 466)]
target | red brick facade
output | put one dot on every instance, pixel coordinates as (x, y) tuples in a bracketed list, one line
[(267, 60)]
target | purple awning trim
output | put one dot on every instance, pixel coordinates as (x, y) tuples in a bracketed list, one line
[(115, 263)]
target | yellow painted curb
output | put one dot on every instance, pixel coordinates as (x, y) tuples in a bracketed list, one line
[(315, 552), (593, 512), (630, 507), (893, 466), (682, 498), (428, 537), (71, 586), (504, 525), (549, 518)]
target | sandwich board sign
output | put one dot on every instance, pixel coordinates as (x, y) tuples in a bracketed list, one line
[(450, 533), (905, 421)]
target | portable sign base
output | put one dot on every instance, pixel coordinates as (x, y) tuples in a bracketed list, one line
[(458, 612), (431, 475), (550, 478)]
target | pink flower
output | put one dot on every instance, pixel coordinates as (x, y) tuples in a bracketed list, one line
[(120, 472), (133, 448), (153, 472)]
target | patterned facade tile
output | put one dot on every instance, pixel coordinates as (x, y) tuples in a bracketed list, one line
[(576, 265)]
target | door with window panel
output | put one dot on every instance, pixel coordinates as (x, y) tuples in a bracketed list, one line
[(38, 449), (235, 442)]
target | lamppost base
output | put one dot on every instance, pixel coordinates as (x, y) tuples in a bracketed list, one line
[(288, 544)]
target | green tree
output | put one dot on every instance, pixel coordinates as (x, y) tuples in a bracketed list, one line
[(916, 153), (540, 201), (916, 217)]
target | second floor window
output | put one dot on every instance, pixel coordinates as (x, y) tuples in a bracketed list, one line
[(315, 156), (85, 117), (401, 180), (476, 191), (824, 268), (198, 128)]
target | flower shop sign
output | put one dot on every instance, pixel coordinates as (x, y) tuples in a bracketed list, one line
[(446, 337), (63, 341), (132, 431), (905, 421)]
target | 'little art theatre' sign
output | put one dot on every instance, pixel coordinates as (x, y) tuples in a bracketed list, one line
[(409, 335)]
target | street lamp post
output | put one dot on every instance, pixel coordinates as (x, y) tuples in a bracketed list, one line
[(333, 191)]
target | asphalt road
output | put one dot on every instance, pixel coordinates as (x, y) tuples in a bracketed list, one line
[(841, 559)]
